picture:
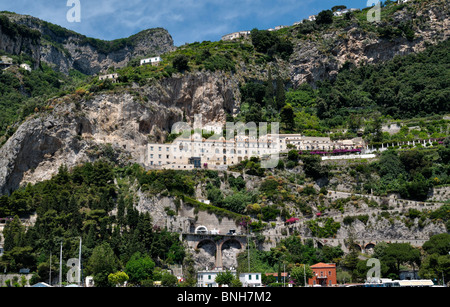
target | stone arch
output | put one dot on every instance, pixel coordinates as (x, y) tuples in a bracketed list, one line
[(369, 248), (206, 253), (357, 246), (229, 249), (229, 242), (319, 244), (201, 230)]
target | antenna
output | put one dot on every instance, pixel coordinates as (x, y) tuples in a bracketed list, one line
[(50, 273), (60, 265), (79, 265)]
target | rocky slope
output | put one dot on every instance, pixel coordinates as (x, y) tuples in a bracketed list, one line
[(66, 50), (140, 113), (78, 128), (319, 56), (128, 118)]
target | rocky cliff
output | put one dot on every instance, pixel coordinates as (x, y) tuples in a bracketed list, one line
[(411, 28), (81, 127), (66, 50)]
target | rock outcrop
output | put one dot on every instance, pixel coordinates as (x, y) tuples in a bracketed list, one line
[(320, 57), (82, 128), (65, 50)]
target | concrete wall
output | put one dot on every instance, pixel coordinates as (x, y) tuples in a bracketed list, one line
[(5, 277)]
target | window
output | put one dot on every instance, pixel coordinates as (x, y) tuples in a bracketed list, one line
[(249, 276), (209, 277), (257, 277)]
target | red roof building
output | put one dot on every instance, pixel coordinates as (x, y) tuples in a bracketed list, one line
[(324, 274)]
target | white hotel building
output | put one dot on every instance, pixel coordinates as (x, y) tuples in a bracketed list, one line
[(198, 152)]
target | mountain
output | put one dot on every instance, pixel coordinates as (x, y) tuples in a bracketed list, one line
[(72, 155), (219, 82), (65, 50)]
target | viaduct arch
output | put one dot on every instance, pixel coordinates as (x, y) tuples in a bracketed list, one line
[(220, 243)]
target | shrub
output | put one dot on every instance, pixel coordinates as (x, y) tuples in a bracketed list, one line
[(181, 63)]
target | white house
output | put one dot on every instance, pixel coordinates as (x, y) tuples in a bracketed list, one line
[(207, 278), (250, 279), (152, 61), (113, 77), (26, 67), (235, 35), (5, 62)]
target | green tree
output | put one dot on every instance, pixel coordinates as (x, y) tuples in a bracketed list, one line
[(225, 278), (313, 167), (436, 267), (140, 267), (390, 165), (280, 93), (102, 262), (190, 272), (293, 155), (324, 17), (14, 234), (181, 63), (438, 244), (269, 93), (169, 280), (301, 272), (287, 117), (397, 254), (18, 258), (118, 278)]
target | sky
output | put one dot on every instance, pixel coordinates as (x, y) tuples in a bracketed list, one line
[(187, 21)]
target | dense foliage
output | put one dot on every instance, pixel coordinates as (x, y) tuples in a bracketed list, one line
[(405, 87), (23, 93), (77, 204)]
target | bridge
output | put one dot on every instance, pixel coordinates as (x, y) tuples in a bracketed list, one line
[(215, 243)]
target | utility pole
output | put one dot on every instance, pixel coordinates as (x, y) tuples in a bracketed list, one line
[(304, 273), (60, 266), (79, 266), (50, 273), (248, 252)]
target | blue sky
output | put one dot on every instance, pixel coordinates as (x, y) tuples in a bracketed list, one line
[(187, 20)]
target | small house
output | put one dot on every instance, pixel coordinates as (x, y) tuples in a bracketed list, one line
[(112, 77), (5, 62), (26, 67), (250, 279), (153, 61)]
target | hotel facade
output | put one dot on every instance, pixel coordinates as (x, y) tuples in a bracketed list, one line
[(187, 153)]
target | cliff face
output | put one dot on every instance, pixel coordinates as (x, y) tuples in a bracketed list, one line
[(66, 50), (321, 56), (79, 128), (13, 43)]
